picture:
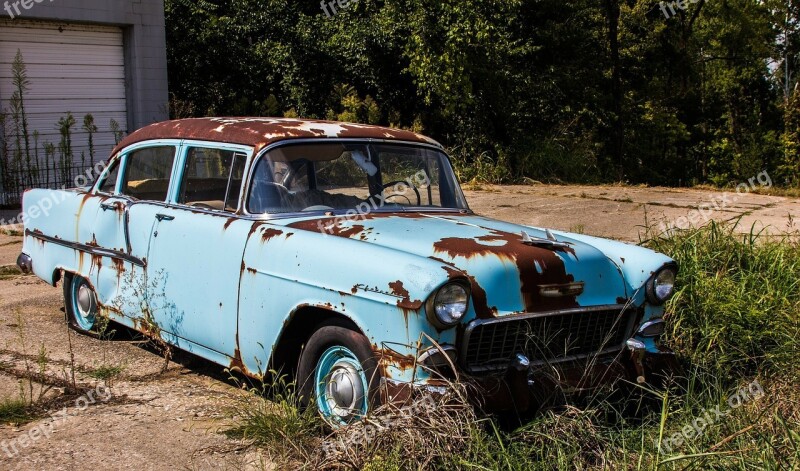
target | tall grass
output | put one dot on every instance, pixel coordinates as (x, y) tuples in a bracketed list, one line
[(734, 320), (737, 309)]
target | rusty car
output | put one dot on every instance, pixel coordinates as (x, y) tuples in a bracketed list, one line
[(347, 256)]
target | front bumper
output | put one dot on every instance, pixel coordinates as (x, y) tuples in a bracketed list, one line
[(527, 386), (524, 388)]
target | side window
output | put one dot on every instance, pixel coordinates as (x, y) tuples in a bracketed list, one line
[(109, 183), (148, 172), (212, 178)]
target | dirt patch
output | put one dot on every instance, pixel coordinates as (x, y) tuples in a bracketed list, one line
[(622, 213)]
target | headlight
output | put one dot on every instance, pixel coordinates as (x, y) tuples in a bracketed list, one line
[(450, 304), (662, 285)]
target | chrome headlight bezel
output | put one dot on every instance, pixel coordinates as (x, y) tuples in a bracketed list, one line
[(445, 318), (664, 277)]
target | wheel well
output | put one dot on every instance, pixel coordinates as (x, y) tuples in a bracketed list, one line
[(300, 327), (57, 274)]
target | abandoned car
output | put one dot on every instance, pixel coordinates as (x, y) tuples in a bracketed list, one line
[(347, 256)]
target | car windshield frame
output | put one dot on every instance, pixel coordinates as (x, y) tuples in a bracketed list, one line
[(446, 174)]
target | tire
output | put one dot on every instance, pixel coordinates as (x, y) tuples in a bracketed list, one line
[(338, 356), (80, 303)]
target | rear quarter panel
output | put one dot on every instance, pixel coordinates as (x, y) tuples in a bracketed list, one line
[(57, 214)]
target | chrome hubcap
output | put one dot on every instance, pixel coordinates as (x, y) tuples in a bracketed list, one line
[(85, 301), (344, 391)]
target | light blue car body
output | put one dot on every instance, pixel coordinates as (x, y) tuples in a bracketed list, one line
[(229, 286)]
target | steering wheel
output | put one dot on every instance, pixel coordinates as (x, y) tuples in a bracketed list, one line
[(406, 184), (280, 186)]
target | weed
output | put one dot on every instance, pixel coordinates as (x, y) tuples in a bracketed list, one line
[(9, 272), (271, 416), (14, 411), (578, 229), (106, 373)]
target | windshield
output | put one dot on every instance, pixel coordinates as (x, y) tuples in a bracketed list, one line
[(346, 176)]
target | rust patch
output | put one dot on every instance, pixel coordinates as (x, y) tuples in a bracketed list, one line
[(269, 234), (254, 228), (260, 132), (536, 266), (336, 228), (228, 223), (388, 357), (237, 363), (405, 302), (119, 265), (354, 289), (85, 198), (478, 295), (398, 289)]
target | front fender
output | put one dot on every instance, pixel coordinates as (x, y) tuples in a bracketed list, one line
[(636, 264), (383, 291)]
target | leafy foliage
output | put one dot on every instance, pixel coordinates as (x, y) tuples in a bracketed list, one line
[(546, 89)]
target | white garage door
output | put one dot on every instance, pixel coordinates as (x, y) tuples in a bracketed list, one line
[(71, 68)]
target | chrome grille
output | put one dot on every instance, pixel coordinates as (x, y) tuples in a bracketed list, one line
[(547, 337)]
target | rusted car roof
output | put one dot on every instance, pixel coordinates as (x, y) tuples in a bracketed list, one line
[(260, 132)]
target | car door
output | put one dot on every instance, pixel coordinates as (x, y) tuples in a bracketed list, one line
[(131, 191), (196, 247)]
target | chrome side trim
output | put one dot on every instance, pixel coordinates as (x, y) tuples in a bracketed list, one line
[(86, 248)]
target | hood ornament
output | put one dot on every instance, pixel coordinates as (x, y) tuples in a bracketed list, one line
[(550, 242)]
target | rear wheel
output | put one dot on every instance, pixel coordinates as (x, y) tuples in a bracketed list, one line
[(338, 372), (80, 303)]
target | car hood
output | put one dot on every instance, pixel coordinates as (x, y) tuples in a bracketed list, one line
[(506, 272)]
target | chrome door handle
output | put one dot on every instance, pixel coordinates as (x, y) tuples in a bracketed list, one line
[(108, 207), (165, 217)]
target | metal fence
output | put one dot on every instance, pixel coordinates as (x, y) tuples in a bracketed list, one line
[(15, 182)]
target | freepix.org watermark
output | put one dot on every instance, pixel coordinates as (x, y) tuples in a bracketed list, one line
[(329, 7), (13, 447), (376, 202), (698, 426), (13, 8), (704, 211), (680, 4), (376, 425)]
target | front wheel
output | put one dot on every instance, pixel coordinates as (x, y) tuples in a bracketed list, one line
[(80, 303), (338, 372)]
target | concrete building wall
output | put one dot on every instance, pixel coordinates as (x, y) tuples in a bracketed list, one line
[(144, 41)]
